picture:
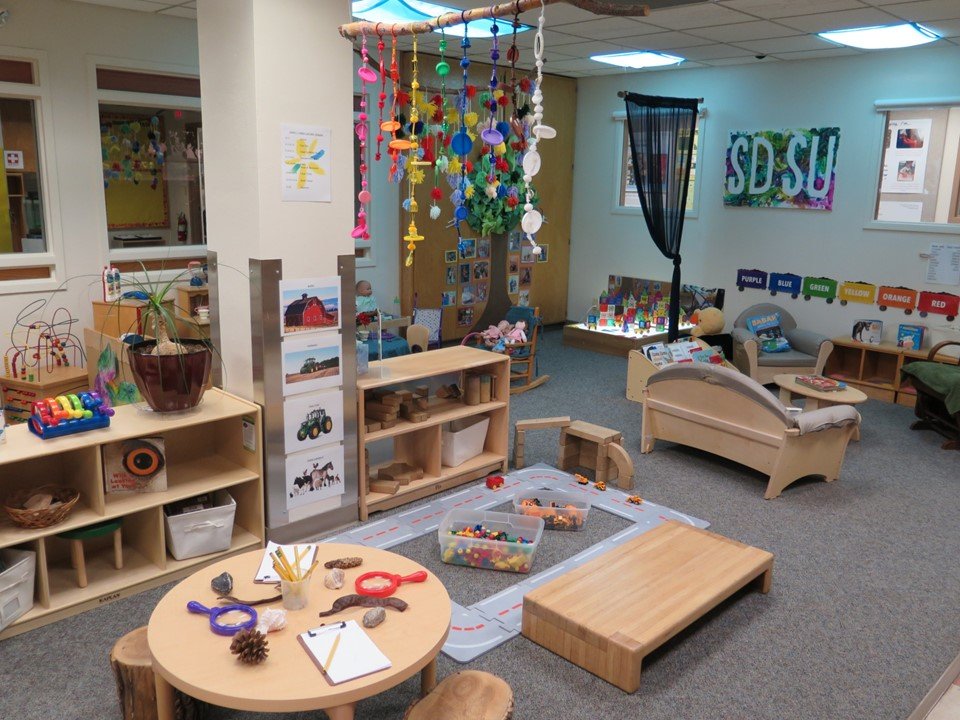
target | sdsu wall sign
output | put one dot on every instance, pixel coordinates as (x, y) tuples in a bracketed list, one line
[(782, 168)]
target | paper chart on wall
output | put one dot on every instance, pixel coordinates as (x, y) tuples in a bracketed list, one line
[(898, 211), (305, 163), (905, 158), (943, 264)]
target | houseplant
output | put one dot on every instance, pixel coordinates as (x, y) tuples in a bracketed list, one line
[(171, 372)]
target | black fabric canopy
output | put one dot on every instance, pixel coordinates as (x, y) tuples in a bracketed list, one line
[(661, 133)]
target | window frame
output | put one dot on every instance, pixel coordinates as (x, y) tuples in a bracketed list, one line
[(620, 120), (879, 127), (144, 100), (53, 258)]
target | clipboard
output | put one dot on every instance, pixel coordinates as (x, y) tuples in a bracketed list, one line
[(352, 656)]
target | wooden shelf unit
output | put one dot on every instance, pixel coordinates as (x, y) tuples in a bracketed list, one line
[(204, 452), (419, 443), (874, 369)]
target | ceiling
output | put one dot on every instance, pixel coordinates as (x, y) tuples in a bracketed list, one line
[(706, 33)]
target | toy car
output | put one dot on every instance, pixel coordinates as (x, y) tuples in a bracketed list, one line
[(600, 485), (494, 481), (581, 479), (635, 500), (317, 422)]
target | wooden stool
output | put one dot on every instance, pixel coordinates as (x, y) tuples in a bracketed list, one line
[(467, 695), (133, 671), (584, 444), (76, 538), (521, 428)]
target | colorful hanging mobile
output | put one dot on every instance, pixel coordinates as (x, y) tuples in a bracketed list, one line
[(367, 75), (532, 220), (414, 174), (461, 143), (440, 160), (381, 98), (392, 125)]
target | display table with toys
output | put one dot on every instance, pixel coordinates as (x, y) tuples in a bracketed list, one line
[(607, 615), (289, 680), (409, 400)]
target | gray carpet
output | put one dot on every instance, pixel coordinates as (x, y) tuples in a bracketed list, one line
[(861, 621)]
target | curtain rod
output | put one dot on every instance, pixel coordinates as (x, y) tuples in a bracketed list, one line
[(598, 7), (623, 94)]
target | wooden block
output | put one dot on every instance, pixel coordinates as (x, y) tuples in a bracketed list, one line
[(421, 391), (384, 486), (421, 403), (400, 472), (542, 423), (387, 424), (372, 426), (388, 397), (405, 395), (624, 465), (409, 412), (380, 415), (596, 433), (378, 407), (570, 450)]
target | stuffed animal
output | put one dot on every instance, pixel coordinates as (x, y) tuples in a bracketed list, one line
[(493, 335), (518, 334), (709, 321)]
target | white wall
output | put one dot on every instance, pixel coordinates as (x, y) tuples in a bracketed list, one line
[(837, 91), (71, 33)]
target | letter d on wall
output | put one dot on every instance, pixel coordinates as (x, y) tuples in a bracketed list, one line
[(754, 162)]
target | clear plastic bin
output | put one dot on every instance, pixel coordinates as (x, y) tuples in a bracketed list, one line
[(490, 554), (559, 510)]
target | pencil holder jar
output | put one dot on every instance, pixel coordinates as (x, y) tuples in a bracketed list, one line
[(296, 593)]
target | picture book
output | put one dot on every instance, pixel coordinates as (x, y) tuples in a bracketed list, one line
[(343, 651), (821, 383), (658, 354), (868, 331), (135, 465), (910, 337)]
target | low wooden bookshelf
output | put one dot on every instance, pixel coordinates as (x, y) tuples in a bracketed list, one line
[(874, 369), (205, 451), (418, 443)]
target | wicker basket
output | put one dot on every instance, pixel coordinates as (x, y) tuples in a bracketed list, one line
[(42, 517)]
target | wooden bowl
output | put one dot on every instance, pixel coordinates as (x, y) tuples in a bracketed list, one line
[(41, 517)]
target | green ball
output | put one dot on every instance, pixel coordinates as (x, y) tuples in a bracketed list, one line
[(443, 68)]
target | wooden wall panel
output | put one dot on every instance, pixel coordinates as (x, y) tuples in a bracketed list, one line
[(554, 183)]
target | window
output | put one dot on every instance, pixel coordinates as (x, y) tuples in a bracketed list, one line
[(627, 198), (920, 166), (151, 157), (21, 204)]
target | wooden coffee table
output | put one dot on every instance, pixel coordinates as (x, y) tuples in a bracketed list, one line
[(191, 658), (815, 398), (610, 613)]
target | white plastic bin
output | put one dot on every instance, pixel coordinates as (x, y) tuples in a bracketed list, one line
[(463, 439), (201, 532), (559, 510), (16, 584), (490, 554)]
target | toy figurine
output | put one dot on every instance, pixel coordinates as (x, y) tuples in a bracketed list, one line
[(635, 500), (600, 485), (494, 481), (581, 480)]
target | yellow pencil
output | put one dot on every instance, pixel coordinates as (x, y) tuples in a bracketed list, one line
[(278, 567), (333, 650), (296, 559), (286, 563)]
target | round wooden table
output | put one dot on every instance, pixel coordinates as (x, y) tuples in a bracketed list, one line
[(191, 658), (816, 399)]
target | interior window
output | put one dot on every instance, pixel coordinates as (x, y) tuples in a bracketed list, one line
[(627, 187), (21, 196)]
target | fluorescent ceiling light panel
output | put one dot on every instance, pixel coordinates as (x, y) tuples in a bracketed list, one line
[(637, 60), (390, 12), (883, 37)]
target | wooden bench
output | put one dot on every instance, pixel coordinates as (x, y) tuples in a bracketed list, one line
[(610, 613)]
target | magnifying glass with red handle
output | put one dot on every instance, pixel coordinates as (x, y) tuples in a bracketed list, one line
[(384, 584)]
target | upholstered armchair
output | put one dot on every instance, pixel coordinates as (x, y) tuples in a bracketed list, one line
[(807, 355)]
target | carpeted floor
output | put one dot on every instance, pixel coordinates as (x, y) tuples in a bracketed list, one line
[(861, 621)]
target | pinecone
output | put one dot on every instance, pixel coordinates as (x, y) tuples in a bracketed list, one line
[(343, 563), (250, 646)]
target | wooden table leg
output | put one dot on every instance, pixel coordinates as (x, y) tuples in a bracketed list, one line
[(786, 397), (428, 677), (765, 580), (341, 712), (165, 707), (811, 404)]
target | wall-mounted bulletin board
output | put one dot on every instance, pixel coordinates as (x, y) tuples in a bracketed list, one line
[(461, 280), (135, 184)]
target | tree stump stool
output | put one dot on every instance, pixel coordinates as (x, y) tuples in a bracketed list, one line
[(133, 671), (584, 444), (467, 695)]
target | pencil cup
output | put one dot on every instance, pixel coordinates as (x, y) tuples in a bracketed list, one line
[(295, 593)]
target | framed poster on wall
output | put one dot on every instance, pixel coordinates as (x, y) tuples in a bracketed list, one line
[(312, 420), (311, 363), (314, 475)]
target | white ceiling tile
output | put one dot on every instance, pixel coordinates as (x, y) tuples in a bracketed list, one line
[(866, 17), (758, 30), (609, 27), (693, 16), (795, 43), (142, 5), (784, 8), (926, 10), (713, 52), (944, 28), (555, 15), (814, 54), (585, 49), (554, 37), (662, 41), (749, 60), (184, 12)]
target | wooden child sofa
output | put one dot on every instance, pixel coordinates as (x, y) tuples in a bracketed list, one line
[(719, 410)]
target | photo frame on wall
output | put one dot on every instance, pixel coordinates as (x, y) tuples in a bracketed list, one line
[(483, 291), (465, 317), (468, 294), (312, 420), (526, 276), (513, 241), (524, 300), (448, 298), (450, 256), (310, 363), (483, 248), (513, 284), (314, 476), (452, 275), (481, 270), (468, 248), (513, 264), (464, 272), (309, 305), (526, 255), (544, 254)]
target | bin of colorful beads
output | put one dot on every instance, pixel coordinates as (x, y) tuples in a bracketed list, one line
[(490, 540), (559, 510)]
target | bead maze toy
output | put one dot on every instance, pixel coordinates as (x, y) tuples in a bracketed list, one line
[(39, 345), (69, 414)]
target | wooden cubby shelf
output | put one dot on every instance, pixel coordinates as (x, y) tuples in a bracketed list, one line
[(419, 444), (204, 451), (874, 369)]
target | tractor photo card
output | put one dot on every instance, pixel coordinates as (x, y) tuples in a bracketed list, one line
[(310, 363), (312, 420)]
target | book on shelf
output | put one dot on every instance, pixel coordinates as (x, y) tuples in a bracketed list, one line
[(910, 337), (821, 383)]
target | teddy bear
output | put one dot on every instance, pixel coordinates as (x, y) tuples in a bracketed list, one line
[(518, 334), (708, 320)]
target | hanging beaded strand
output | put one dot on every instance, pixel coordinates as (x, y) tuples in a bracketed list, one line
[(381, 98), (413, 235), (532, 220), (461, 143), (392, 125), (440, 165), (490, 135), (367, 75)]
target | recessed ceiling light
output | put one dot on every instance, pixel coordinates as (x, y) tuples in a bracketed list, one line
[(636, 60), (882, 37), (389, 12)]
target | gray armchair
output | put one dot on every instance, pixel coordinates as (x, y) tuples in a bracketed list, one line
[(808, 354)]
